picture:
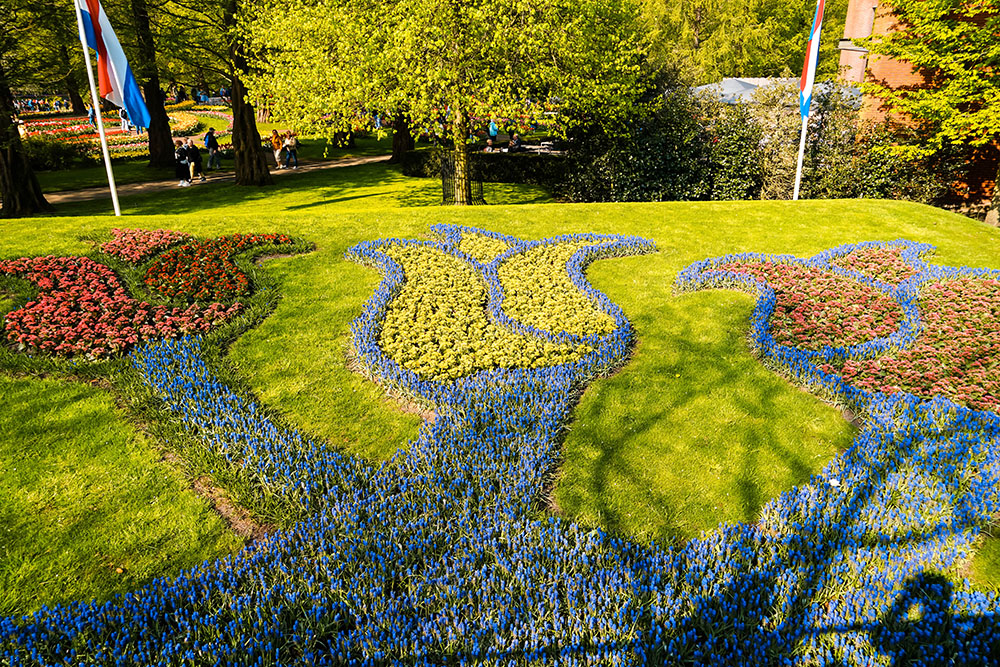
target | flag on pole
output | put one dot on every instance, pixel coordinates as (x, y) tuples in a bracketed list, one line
[(114, 75), (812, 59)]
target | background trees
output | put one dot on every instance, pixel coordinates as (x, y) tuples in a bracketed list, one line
[(18, 185), (711, 39), (449, 66), (954, 46)]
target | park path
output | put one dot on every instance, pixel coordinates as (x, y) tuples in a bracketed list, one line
[(87, 194)]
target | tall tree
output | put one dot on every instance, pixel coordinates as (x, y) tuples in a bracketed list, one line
[(251, 166), (161, 145), (452, 65), (953, 46), (18, 185)]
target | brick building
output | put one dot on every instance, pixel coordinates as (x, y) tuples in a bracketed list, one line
[(866, 18)]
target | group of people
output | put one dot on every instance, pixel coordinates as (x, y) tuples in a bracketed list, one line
[(177, 93), (36, 104), (513, 146), (286, 144), (188, 160)]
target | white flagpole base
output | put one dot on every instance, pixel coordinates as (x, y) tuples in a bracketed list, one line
[(802, 150)]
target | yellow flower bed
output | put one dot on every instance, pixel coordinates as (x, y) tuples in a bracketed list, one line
[(538, 292), (439, 328)]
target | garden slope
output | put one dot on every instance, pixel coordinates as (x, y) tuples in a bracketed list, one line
[(692, 432)]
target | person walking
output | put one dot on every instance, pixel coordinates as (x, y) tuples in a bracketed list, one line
[(276, 146), (291, 146), (194, 160), (214, 154), (181, 164)]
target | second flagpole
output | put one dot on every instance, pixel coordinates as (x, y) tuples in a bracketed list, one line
[(96, 101)]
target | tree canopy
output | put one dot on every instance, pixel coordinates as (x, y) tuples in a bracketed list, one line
[(712, 39), (449, 66), (954, 45)]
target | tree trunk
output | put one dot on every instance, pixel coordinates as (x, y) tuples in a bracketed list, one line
[(462, 182), (402, 140), (249, 158), (250, 163), (71, 83), (19, 187), (161, 143), (75, 99), (993, 215)]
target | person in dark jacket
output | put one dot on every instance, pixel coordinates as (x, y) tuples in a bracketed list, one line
[(214, 154), (194, 160), (181, 163)]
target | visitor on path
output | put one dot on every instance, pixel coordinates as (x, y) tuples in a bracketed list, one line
[(493, 131), (194, 160), (91, 116), (291, 146), (123, 116), (214, 154), (276, 145), (181, 163)]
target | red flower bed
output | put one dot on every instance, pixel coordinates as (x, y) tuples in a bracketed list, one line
[(204, 270), (957, 353), (814, 308), (135, 245), (878, 263), (82, 308)]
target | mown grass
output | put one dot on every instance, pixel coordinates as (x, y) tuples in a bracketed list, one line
[(87, 508), (692, 432)]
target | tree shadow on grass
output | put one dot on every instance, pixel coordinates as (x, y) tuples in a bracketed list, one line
[(742, 445)]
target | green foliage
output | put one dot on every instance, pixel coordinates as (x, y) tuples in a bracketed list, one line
[(953, 44), (662, 156), (735, 147), (50, 154), (450, 67), (845, 156), (535, 168), (712, 39)]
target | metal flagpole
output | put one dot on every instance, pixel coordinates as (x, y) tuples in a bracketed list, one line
[(802, 150), (96, 101)]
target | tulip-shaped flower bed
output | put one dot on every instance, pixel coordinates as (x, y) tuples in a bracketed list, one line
[(439, 556)]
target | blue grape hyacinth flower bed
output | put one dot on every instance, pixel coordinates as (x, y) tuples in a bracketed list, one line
[(442, 555)]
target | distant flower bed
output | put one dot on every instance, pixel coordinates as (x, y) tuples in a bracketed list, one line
[(78, 130)]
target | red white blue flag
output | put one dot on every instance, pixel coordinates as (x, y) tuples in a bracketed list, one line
[(114, 76), (812, 59)]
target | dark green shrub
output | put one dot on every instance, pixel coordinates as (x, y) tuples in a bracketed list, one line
[(49, 154), (663, 155), (736, 155)]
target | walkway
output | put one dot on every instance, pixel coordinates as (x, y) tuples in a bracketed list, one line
[(68, 196)]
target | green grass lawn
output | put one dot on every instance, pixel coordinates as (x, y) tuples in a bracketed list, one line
[(87, 507), (692, 432)]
